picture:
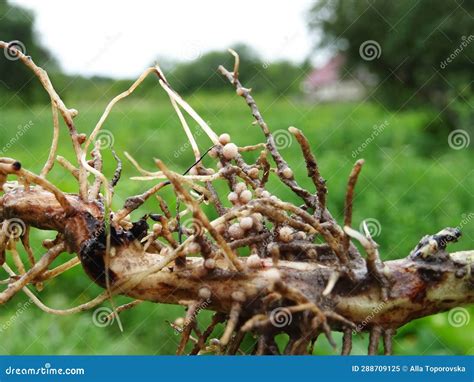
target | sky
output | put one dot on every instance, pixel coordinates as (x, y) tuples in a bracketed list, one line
[(120, 38)]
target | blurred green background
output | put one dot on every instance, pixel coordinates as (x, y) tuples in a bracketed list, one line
[(416, 180)]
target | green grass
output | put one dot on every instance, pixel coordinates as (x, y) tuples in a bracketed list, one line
[(411, 183)]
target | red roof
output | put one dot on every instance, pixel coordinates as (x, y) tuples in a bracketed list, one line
[(328, 74)]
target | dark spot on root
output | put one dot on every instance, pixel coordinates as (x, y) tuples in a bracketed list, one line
[(139, 228), (419, 295), (448, 301), (16, 166), (460, 273), (93, 250), (431, 275), (92, 259)]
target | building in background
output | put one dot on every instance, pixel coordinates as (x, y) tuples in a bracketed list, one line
[(329, 84)]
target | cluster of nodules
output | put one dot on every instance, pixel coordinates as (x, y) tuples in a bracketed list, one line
[(246, 224), (242, 195), (227, 151)]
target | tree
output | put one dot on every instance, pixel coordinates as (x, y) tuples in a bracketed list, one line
[(304, 275), (278, 77), (422, 52), (16, 25)]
